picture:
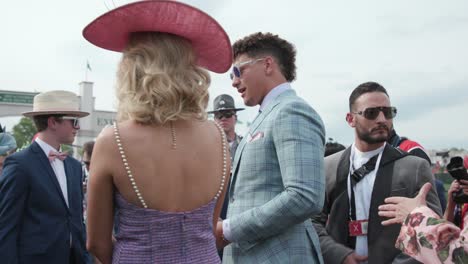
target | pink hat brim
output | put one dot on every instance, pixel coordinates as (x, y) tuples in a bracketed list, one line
[(112, 30)]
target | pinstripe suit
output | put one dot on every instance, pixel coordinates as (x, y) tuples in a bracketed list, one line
[(277, 184)]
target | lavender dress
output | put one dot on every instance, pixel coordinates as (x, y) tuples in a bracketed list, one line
[(151, 236)]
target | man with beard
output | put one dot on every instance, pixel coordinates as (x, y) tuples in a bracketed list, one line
[(358, 180)]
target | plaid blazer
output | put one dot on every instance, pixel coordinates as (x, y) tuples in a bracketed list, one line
[(278, 182)]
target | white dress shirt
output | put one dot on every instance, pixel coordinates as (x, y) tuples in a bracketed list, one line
[(275, 92), (57, 166), (363, 190)]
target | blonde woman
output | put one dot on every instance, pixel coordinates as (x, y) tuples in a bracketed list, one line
[(163, 166)]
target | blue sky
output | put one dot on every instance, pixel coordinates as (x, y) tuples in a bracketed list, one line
[(415, 49)]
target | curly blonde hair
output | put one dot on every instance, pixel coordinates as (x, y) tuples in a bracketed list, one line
[(158, 80)]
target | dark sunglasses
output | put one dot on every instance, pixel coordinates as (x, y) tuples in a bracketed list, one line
[(237, 71), (372, 113), (75, 121), (226, 114)]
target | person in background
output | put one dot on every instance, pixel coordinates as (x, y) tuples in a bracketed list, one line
[(87, 153), (225, 114), (7, 146), (415, 149), (332, 148), (450, 213), (86, 161)]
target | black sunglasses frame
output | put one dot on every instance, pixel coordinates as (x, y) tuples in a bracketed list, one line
[(371, 113), (74, 120), (226, 114)]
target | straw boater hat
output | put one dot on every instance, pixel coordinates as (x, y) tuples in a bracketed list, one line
[(210, 42), (56, 103), (224, 102)]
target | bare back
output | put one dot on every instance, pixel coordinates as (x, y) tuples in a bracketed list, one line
[(175, 169)]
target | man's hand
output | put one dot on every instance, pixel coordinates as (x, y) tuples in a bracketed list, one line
[(220, 241), (398, 208), (354, 258)]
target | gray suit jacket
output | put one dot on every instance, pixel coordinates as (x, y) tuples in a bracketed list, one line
[(278, 182), (402, 177)]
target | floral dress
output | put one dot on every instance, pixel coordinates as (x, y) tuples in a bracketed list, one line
[(429, 239)]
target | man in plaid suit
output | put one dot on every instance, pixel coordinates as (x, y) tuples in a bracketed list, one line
[(278, 175)]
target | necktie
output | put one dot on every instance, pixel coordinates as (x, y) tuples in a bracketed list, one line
[(57, 155)]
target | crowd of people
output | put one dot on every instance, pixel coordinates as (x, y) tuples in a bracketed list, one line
[(165, 184)]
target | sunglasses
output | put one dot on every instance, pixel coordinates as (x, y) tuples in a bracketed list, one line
[(226, 114), (237, 71), (372, 113), (74, 120)]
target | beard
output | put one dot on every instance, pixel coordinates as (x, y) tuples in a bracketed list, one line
[(373, 138)]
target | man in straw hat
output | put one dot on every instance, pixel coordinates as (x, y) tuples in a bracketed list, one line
[(278, 180), (41, 215)]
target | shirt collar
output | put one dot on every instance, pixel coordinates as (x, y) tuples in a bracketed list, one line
[(368, 154), (273, 94), (44, 146)]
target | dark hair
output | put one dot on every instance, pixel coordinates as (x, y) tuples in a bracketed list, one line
[(367, 87), (88, 148), (41, 121), (332, 148), (262, 44)]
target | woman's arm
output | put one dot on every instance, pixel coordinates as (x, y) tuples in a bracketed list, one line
[(429, 239), (423, 235), (217, 222), (100, 199)]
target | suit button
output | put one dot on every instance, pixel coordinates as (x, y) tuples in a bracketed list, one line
[(232, 199)]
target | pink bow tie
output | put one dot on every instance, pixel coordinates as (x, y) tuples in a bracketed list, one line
[(60, 155)]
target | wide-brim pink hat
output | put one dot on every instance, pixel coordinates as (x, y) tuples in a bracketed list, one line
[(112, 30)]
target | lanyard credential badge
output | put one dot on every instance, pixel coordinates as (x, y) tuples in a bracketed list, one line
[(358, 228)]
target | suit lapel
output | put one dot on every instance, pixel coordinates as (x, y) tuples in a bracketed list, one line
[(268, 110), (382, 189), (342, 173), (339, 199), (253, 127), (37, 150)]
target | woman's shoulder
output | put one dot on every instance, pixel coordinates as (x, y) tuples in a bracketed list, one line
[(106, 134)]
